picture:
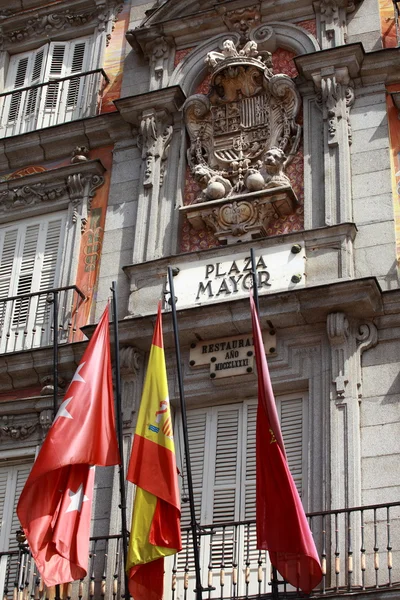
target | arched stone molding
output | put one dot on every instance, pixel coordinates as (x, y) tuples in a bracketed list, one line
[(193, 68), (277, 34), (269, 36)]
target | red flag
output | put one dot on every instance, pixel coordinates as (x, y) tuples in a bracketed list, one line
[(55, 505), (282, 526)]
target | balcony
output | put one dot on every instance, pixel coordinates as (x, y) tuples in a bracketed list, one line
[(51, 103), (359, 550), (27, 321)]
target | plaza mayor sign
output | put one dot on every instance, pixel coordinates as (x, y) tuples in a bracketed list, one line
[(229, 277)]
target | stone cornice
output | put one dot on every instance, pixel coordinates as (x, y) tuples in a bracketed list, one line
[(169, 99), (381, 66), (187, 23), (55, 189), (27, 368), (27, 28), (57, 142), (350, 57), (359, 298)]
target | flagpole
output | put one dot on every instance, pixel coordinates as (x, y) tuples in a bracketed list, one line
[(274, 574), (120, 435), (55, 354), (193, 524), (255, 282)]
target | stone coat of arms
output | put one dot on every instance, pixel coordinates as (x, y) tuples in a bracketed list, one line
[(243, 134)]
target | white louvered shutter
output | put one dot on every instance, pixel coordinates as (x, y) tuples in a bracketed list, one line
[(292, 420), (64, 100), (19, 109), (12, 481), (30, 259), (197, 428)]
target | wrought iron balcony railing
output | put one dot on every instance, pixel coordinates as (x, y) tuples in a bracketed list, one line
[(52, 103), (27, 321), (359, 550)]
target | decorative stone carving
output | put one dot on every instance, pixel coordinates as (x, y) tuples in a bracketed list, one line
[(337, 100), (58, 187), (241, 20), (130, 360), (26, 195), (46, 419), (158, 52), (154, 139), (11, 428), (243, 134), (338, 334), (336, 95), (347, 346), (348, 340), (80, 154), (332, 21), (44, 24)]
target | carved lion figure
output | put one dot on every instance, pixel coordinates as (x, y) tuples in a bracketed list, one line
[(274, 161)]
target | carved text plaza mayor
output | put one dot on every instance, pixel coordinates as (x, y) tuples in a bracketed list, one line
[(236, 276)]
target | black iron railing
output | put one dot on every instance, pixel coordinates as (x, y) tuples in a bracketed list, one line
[(357, 548), (51, 103), (27, 321)]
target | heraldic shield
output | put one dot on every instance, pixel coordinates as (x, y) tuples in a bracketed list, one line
[(243, 135)]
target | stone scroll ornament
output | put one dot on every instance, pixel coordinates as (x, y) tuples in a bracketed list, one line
[(243, 135)]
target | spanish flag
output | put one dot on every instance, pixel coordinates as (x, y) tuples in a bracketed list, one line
[(155, 530)]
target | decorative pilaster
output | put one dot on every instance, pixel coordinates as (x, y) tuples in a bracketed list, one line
[(160, 55), (347, 343), (155, 114), (332, 73), (337, 97), (332, 21)]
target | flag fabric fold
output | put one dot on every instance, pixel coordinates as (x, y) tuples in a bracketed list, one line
[(155, 531), (55, 505), (282, 526)]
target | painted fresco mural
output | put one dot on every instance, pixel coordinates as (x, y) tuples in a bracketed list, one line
[(114, 58)]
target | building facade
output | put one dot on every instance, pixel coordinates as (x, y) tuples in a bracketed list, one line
[(185, 133)]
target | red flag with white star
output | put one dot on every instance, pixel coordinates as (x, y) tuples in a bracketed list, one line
[(55, 505)]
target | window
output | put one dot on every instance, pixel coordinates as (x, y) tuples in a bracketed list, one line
[(27, 105), (30, 261), (12, 480), (223, 460)]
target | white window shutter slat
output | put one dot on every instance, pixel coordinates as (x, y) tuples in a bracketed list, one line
[(291, 417), (8, 248), (20, 80), (55, 70), (36, 77), (12, 481)]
